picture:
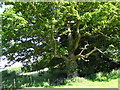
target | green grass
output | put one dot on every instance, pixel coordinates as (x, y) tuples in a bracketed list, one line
[(86, 84), (12, 78), (91, 84)]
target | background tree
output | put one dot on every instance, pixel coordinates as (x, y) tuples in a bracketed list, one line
[(71, 31)]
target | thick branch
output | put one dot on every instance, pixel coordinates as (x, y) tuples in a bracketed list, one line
[(84, 56), (53, 40), (88, 54), (77, 39), (78, 56), (70, 37), (63, 57)]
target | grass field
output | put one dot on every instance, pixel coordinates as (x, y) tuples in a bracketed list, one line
[(86, 84), (91, 84), (12, 78)]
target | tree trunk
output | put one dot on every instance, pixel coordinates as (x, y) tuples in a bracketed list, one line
[(71, 68)]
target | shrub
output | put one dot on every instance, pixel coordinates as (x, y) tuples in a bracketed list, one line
[(104, 76), (75, 80)]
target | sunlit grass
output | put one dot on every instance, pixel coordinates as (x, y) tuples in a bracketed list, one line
[(91, 84), (46, 80), (86, 84)]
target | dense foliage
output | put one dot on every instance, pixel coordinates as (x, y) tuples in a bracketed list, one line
[(68, 35)]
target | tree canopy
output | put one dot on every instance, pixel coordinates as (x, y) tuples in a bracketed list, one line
[(71, 31)]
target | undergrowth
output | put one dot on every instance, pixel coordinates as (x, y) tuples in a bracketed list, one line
[(49, 79)]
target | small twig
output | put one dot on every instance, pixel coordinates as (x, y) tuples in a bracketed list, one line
[(101, 51), (85, 47), (104, 34)]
